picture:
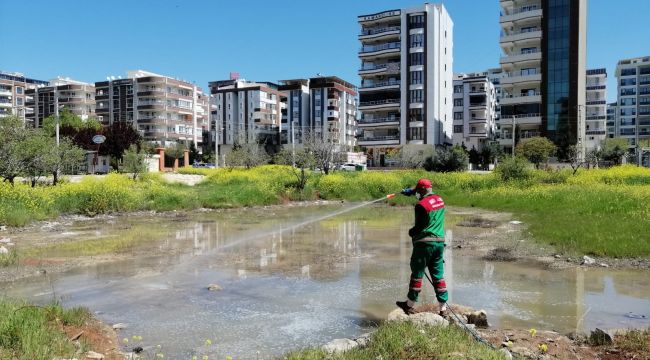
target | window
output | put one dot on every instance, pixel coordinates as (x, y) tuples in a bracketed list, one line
[(19, 101), (416, 21), (416, 115), (529, 50), (19, 89), (627, 72), (417, 40), (458, 115), (458, 89), (458, 129), (458, 102), (417, 59), (626, 92), (628, 82), (416, 96), (416, 77)]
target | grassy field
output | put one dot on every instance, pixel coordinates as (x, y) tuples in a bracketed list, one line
[(596, 212), (31, 332), (403, 340)]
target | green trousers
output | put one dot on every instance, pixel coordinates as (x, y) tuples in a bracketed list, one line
[(427, 255)]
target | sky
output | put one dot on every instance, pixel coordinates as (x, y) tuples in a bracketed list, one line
[(203, 40)]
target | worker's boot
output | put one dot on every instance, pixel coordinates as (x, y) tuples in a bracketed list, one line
[(442, 309), (408, 310)]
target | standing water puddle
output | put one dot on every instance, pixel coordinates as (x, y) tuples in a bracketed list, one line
[(288, 283)]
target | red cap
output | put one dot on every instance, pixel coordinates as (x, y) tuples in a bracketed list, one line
[(423, 184)]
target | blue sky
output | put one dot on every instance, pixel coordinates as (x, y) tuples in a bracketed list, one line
[(204, 40)]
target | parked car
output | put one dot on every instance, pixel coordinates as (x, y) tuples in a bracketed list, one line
[(203, 165), (352, 167)]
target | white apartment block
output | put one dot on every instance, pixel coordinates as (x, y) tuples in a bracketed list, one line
[(474, 110), (165, 110), (246, 112), (596, 108), (61, 93), (543, 62), (633, 104), (12, 94), (406, 79), (325, 106)]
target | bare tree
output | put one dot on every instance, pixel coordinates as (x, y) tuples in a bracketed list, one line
[(301, 161), (248, 155), (413, 156), (573, 157), (324, 149)]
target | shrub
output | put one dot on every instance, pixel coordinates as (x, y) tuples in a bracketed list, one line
[(513, 169), (447, 160)]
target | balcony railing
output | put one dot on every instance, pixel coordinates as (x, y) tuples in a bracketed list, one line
[(380, 138), (596, 87), (394, 66), (378, 120), (596, 117), (517, 32), (524, 95), (520, 116), (524, 9), (380, 47), (379, 102), (595, 132), (529, 134), (380, 84), (527, 72), (596, 102), (373, 31)]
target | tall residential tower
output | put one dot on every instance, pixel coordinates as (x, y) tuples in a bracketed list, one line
[(633, 105), (543, 87), (406, 79)]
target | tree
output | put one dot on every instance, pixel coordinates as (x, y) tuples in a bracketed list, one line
[(194, 154), (573, 157), (134, 161), (614, 149), (447, 159), (119, 137), (490, 153), (325, 150), (474, 157), (65, 156), (413, 156), (513, 168), (301, 160), (36, 155), (12, 137), (175, 152), (594, 157), (248, 155), (536, 149)]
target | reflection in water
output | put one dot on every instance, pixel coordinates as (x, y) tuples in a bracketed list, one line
[(287, 286)]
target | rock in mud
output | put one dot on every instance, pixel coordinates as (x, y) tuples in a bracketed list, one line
[(3, 228), (120, 326), (5, 240), (600, 337), (94, 355), (523, 352), (214, 287), (339, 346), (363, 340), (428, 318), (478, 318), (586, 260), (603, 265), (397, 315), (506, 353), (3, 250)]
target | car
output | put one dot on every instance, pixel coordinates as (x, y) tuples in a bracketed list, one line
[(348, 167), (203, 165)]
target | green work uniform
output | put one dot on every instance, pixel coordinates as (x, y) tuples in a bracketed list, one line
[(428, 235)]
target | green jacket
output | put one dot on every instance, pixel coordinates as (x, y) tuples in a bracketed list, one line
[(429, 220)]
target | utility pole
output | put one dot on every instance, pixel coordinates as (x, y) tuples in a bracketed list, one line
[(514, 124), (56, 109)]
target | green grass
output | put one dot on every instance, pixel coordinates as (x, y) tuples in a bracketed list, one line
[(403, 340), (596, 212), (10, 258), (30, 332)]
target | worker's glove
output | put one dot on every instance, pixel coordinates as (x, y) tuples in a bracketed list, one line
[(408, 192)]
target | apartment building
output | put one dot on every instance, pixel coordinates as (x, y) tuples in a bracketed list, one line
[(334, 110), (596, 108), (474, 110), (543, 85), (60, 93), (633, 104), (165, 110), (246, 112), (406, 74), (12, 93), (611, 120), (296, 116)]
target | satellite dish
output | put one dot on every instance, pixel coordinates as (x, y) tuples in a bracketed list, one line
[(108, 78), (98, 139)]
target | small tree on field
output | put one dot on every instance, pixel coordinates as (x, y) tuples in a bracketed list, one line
[(536, 149), (413, 156), (573, 157), (614, 149), (490, 153), (134, 161), (594, 157), (12, 137), (325, 151), (303, 161), (35, 155), (175, 152), (474, 157), (447, 159), (513, 168), (248, 155)]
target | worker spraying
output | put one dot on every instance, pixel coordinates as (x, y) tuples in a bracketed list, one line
[(428, 236)]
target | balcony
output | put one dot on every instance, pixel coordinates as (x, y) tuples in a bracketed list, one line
[(521, 99), (596, 102), (380, 32), (379, 50), (596, 87), (388, 120), (381, 85), (520, 14), (522, 77), (595, 132), (4, 92), (379, 140), (522, 119), (389, 68), (379, 104), (515, 58), (597, 117), (508, 39)]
